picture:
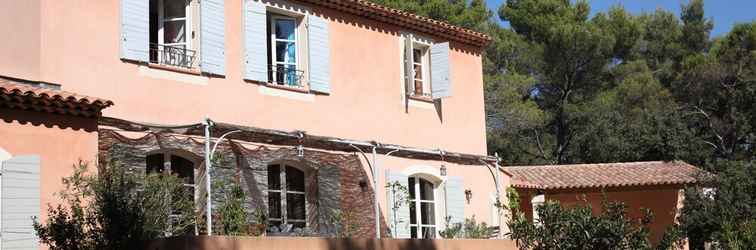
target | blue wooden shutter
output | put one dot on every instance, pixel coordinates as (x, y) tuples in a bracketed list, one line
[(329, 198), (20, 202), (320, 54), (212, 37), (135, 30), (455, 199), (409, 70), (399, 222), (440, 71), (255, 42)]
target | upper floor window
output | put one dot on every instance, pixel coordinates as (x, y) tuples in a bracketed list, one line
[(284, 46), (420, 66), (426, 68), (172, 33), (286, 197)]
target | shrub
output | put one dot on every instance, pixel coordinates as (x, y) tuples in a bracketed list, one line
[(114, 209)]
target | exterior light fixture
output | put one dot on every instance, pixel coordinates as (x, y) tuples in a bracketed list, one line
[(468, 195), (364, 185), (443, 170), (300, 148)]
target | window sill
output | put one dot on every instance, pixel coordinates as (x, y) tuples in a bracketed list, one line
[(192, 71), (420, 98), (284, 87)]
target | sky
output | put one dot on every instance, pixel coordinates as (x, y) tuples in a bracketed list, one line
[(725, 13)]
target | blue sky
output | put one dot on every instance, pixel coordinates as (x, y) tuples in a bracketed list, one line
[(724, 12)]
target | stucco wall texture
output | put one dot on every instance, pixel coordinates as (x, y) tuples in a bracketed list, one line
[(60, 141), (79, 48)]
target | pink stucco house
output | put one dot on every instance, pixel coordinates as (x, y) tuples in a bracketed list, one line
[(316, 106), (333, 100)]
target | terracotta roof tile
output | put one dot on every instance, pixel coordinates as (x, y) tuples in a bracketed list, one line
[(405, 20), (21, 95), (603, 175)]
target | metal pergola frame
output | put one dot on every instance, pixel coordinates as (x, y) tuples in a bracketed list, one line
[(301, 139)]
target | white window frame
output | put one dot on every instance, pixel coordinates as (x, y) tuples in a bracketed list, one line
[(284, 192), (424, 63), (425, 43), (297, 46), (188, 13), (418, 204)]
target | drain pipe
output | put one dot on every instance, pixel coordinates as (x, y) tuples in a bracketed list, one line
[(208, 123)]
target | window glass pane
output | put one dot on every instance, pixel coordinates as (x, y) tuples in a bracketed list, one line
[(274, 177), (285, 29), (286, 52), (155, 163), (287, 74), (427, 216), (183, 168), (274, 205), (174, 9), (413, 232), (418, 71), (411, 187), (295, 206), (417, 55), (174, 31), (295, 180), (413, 212), (426, 190), (418, 87), (429, 233)]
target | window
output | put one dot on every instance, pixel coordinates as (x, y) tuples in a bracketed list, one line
[(417, 66), (174, 164), (422, 206), (420, 62), (286, 197), (284, 46), (171, 33)]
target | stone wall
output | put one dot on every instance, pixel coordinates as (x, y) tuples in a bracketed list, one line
[(333, 180)]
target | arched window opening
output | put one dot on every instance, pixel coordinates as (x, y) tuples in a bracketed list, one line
[(422, 206), (286, 197), (170, 163)]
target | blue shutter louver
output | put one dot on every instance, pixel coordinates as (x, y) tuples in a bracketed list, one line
[(255, 40), (212, 37), (135, 30), (20, 202), (320, 54), (455, 199), (440, 71), (399, 222)]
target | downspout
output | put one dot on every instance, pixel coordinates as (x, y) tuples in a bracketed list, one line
[(208, 167)]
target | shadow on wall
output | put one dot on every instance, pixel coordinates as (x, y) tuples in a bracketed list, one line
[(48, 120)]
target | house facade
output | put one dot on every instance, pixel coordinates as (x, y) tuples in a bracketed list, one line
[(329, 102)]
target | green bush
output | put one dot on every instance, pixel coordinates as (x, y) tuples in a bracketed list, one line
[(116, 209), (578, 228)]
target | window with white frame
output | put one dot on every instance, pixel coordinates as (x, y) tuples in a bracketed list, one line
[(171, 163), (417, 66), (422, 208), (284, 46), (286, 197), (171, 33)]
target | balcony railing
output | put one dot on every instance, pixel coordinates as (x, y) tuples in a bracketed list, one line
[(172, 55), (286, 75)]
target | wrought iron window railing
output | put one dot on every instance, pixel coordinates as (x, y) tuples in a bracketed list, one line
[(172, 55), (286, 75)]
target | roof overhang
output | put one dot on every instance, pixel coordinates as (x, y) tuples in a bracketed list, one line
[(26, 95), (405, 20), (630, 175)]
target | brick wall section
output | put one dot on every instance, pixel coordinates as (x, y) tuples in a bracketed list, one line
[(249, 167)]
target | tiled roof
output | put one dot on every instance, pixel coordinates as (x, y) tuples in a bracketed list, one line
[(17, 94), (603, 175), (406, 20)]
